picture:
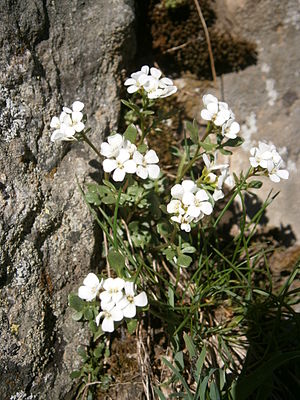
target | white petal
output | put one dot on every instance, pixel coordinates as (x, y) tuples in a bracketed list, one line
[(67, 110), (119, 175), (206, 115), (115, 140), (123, 156), (151, 157), (129, 82), (57, 135), (201, 195), (129, 288), (156, 73), (85, 293), (108, 283), (209, 98), (138, 157), (283, 173), (153, 171), (189, 186), (130, 167), (193, 211), (98, 318), (77, 106), (166, 81), (107, 305), (116, 314), (132, 89), (77, 116), (206, 207), (177, 191), (109, 165), (188, 198), (79, 126), (108, 325), (212, 108), (105, 296), (91, 280), (129, 311), (105, 149), (274, 178), (118, 283), (55, 123), (141, 300), (145, 69), (253, 162), (142, 172), (173, 206), (218, 194), (186, 227), (122, 303), (206, 161), (168, 91)]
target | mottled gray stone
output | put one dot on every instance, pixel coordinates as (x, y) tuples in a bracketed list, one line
[(53, 52)]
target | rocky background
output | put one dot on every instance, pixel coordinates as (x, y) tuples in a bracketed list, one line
[(57, 51), (53, 52)]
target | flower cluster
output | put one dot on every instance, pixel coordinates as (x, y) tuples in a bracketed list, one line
[(155, 86), (189, 204), (265, 156), (68, 123), (221, 115), (118, 299), (217, 181), (123, 157)]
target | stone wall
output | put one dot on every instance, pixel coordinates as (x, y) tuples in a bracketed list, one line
[(53, 52)]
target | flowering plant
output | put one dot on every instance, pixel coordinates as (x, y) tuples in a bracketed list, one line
[(162, 247)]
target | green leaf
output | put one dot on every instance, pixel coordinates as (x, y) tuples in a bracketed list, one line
[(116, 261), (171, 296), (234, 142), (169, 253), (200, 362), (179, 359), (93, 198), (110, 185), (184, 261), (142, 148), (255, 184), (88, 314), (164, 228), (131, 105), (190, 345), (225, 152), (99, 350), (93, 327), (110, 199), (131, 326), (76, 302), (75, 374), (207, 146), (81, 352), (77, 315), (131, 133), (193, 129), (214, 392), (159, 394), (188, 250)]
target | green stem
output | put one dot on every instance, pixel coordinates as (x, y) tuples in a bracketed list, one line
[(85, 139), (115, 218)]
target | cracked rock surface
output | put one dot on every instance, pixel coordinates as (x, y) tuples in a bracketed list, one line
[(53, 52)]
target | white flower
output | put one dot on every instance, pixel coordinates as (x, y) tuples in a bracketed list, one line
[(184, 221), (261, 155), (197, 204), (68, 124), (175, 207), (112, 147), (178, 190), (275, 174), (267, 157), (110, 316), (90, 288), (137, 80), (230, 129), (146, 165), (130, 301), (112, 292), (153, 84), (212, 166), (121, 165), (223, 178)]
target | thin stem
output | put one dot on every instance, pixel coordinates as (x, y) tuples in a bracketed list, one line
[(85, 139), (211, 57)]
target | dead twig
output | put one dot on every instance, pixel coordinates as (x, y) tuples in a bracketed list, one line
[(106, 254), (211, 57)]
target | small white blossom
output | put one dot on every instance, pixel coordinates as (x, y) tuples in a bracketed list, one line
[(130, 300), (266, 157), (146, 164), (112, 147), (120, 165), (112, 293), (230, 129), (68, 124), (137, 80), (188, 204), (90, 288), (153, 84), (110, 316)]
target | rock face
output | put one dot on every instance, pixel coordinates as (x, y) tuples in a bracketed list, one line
[(53, 52)]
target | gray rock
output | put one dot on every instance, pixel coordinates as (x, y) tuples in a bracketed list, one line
[(53, 52)]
